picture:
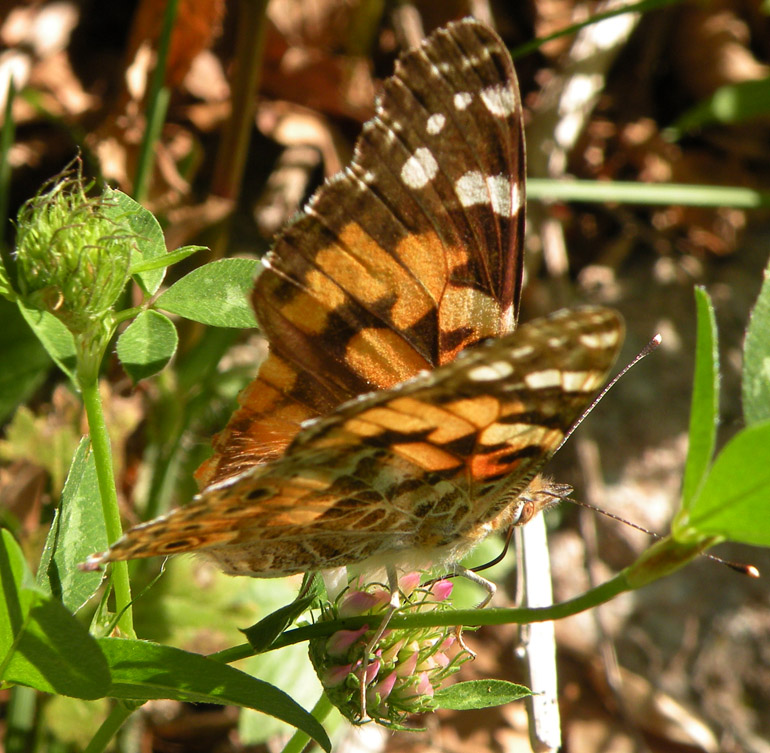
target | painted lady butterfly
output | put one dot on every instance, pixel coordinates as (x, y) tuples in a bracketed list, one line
[(368, 435)]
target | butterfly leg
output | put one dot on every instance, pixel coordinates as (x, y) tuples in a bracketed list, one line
[(474, 577), (487, 585), (395, 603)]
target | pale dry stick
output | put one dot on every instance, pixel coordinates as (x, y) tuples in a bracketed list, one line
[(570, 97), (537, 645), (567, 103), (407, 23), (482, 11), (569, 100)]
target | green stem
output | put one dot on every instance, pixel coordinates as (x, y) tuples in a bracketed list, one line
[(109, 728), (20, 719), (234, 146), (643, 6), (7, 135), (620, 192), (100, 444), (157, 104), (463, 617), (663, 558), (300, 739)]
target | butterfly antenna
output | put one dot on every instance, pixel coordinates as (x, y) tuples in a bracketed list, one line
[(645, 351), (749, 570), (739, 567)]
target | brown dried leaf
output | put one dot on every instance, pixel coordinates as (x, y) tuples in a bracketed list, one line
[(198, 23)]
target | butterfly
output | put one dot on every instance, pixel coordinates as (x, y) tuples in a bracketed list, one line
[(400, 416)]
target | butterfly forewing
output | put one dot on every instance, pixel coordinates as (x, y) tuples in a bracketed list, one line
[(407, 475), (408, 256)]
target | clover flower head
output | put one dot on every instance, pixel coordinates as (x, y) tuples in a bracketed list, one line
[(404, 668)]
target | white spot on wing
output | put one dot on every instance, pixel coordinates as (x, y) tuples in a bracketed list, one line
[(579, 381), (499, 100), (419, 169), (521, 352), (474, 188), (471, 189), (436, 124), (462, 100), (490, 371), (500, 192), (540, 380), (599, 339), (503, 368)]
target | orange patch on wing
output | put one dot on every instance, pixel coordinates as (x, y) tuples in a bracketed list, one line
[(425, 254), (362, 428), (295, 517), (276, 372), (447, 425), (370, 274), (469, 308), (427, 456), (360, 265), (260, 397), (382, 357), (395, 420), (480, 411), (264, 424), (486, 465), (309, 311)]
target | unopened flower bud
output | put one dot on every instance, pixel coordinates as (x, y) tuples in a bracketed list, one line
[(442, 589), (335, 676), (361, 602), (72, 252), (339, 643), (409, 582)]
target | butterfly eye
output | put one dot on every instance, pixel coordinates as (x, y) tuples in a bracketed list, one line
[(526, 513)]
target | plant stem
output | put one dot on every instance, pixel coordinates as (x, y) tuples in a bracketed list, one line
[(300, 739), (643, 6), (7, 135), (234, 146), (100, 444), (464, 617), (109, 728), (20, 719), (157, 104), (623, 192)]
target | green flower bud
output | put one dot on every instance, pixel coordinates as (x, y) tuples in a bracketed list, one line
[(72, 254), (406, 667)]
